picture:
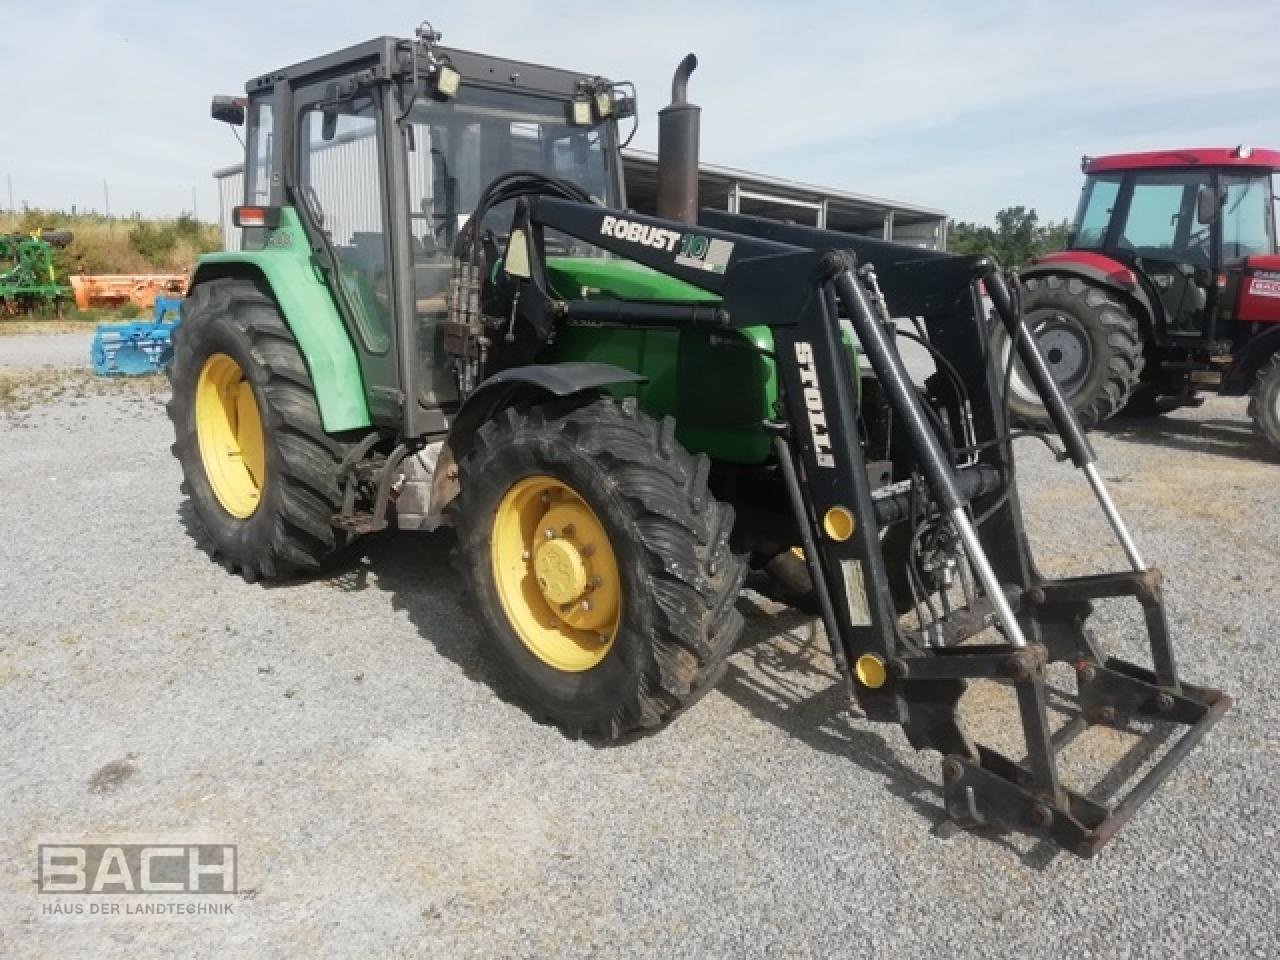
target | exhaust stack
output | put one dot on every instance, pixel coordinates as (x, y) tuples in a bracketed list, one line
[(679, 126)]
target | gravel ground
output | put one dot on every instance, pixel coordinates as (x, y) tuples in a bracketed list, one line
[(386, 801), (45, 350)]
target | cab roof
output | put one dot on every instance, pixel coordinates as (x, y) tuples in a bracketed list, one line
[(1189, 157), (393, 51)]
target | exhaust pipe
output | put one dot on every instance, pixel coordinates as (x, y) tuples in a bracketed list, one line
[(679, 126)]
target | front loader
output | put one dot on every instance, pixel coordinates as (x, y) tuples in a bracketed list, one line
[(619, 414)]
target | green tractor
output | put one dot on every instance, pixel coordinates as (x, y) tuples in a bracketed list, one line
[(444, 314)]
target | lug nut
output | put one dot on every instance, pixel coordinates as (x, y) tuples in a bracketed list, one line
[(1107, 715), (586, 605), (1086, 672), (587, 550), (951, 770), (526, 555), (568, 531), (549, 533), (1164, 702), (595, 582)]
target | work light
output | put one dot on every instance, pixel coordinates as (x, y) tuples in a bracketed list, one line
[(604, 103), (447, 81)]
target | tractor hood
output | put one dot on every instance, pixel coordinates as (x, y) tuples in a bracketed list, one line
[(580, 278)]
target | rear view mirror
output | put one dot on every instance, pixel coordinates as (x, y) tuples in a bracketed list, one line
[(228, 110), (1206, 205), (328, 125)]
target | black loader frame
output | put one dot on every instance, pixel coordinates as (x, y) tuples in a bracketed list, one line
[(806, 284)]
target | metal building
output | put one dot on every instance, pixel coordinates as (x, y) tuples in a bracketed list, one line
[(725, 188)]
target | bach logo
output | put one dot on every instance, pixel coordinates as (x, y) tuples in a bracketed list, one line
[(119, 881)]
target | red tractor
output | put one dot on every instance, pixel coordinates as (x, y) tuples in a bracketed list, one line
[(1170, 284)]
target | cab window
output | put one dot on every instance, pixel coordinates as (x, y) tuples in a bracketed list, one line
[(1096, 205), (340, 174), (1161, 219), (260, 143), (1246, 216)]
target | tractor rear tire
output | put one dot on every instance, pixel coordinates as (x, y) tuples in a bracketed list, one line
[(598, 564), (1264, 401), (1093, 345), (257, 464)]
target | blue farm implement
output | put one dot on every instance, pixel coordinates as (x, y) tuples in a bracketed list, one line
[(139, 347)]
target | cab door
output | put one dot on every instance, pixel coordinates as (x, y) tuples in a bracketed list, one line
[(341, 178), (1160, 233)]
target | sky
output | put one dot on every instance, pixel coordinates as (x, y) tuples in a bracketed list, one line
[(967, 107)]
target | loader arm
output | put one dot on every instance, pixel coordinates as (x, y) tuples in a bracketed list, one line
[(805, 285)]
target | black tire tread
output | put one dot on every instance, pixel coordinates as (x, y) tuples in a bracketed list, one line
[(1125, 359), (301, 534), (693, 576)]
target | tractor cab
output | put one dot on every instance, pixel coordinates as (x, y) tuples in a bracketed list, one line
[(1189, 224), (380, 153)]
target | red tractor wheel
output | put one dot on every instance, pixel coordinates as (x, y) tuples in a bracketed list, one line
[(1092, 343)]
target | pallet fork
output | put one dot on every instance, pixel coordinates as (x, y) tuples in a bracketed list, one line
[(807, 284)]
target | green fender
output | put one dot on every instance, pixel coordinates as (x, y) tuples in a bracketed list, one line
[(285, 264)]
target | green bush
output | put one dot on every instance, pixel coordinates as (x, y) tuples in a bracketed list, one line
[(155, 243), (117, 244)]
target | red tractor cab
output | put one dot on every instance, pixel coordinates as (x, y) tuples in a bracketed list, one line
[(1170, 284)]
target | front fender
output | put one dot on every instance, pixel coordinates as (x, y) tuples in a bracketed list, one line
[(517, 383), (509, 387), (284, 266), (1098, 269)]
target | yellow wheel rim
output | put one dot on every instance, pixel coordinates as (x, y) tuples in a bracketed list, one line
[(229, 431), (556, 574)]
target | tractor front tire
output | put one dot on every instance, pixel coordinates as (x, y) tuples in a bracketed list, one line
[(1091, 341), (257, 464), (1264, 401), (598, 564)]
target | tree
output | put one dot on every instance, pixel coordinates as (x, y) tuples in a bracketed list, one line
[(1017, 237)]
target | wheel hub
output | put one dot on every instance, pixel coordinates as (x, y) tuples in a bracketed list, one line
[(556, 573), (1067, 350), (561, 571)]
